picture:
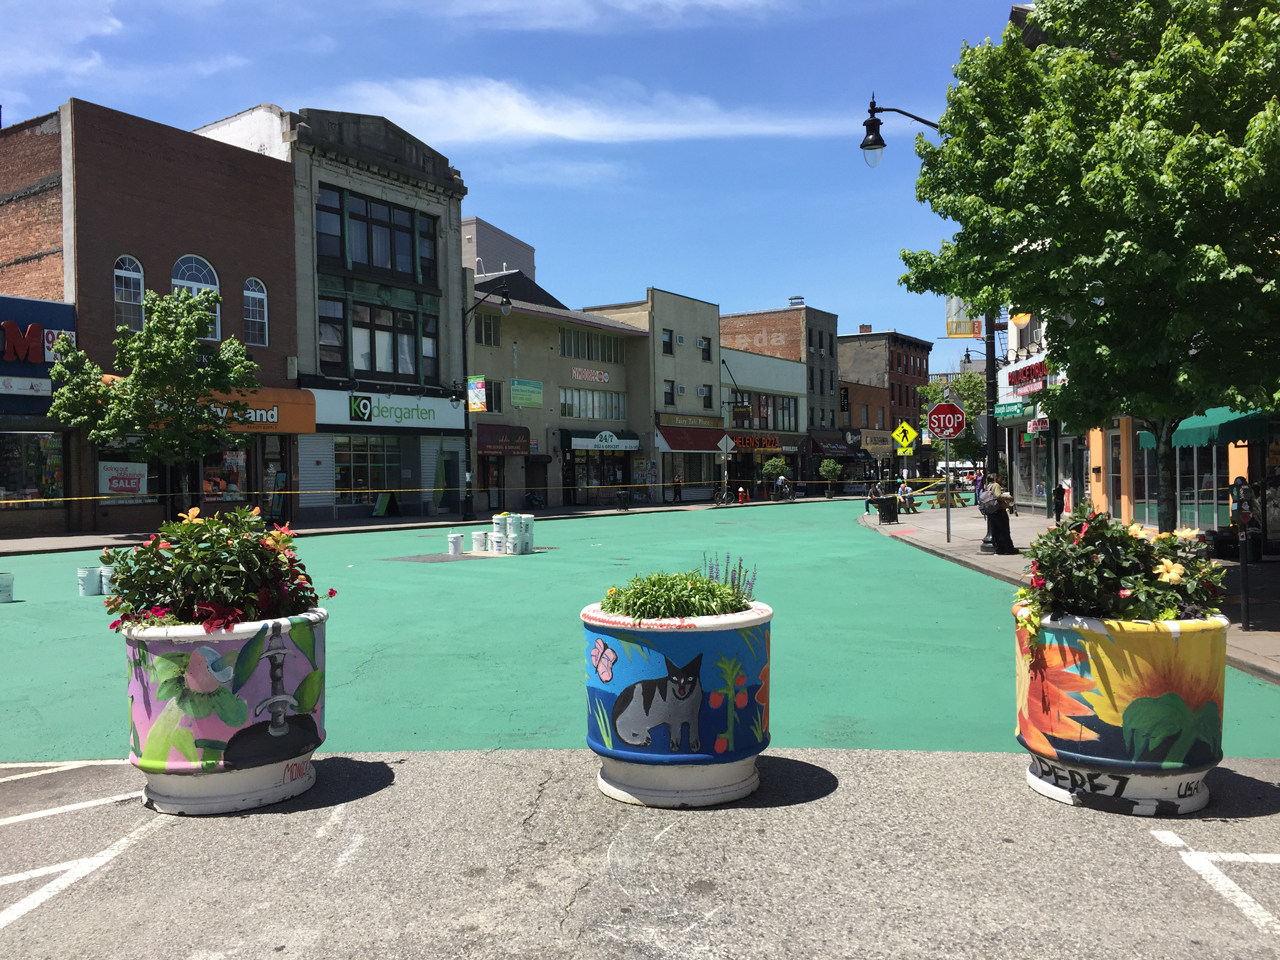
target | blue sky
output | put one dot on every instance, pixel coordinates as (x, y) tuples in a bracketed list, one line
[(708, 147)]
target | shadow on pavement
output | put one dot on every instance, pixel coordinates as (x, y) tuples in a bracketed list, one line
[(338, 780), (1236, 796), (786, 783)]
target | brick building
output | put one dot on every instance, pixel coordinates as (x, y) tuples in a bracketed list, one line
[(97, 206), (805, 334), (864, 419), (893, 362)]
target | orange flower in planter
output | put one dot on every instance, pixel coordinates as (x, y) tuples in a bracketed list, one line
[(1045, 684)]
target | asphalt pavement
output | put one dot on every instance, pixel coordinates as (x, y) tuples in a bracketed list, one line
[(841, 853)]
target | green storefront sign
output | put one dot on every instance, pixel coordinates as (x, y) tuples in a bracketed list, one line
[(526, 393)]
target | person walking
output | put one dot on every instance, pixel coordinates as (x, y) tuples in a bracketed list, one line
[(780, 487), (677, 496), (1059, 501), (1001, 539)]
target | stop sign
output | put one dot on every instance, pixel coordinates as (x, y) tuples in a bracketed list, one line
[(946, 421)]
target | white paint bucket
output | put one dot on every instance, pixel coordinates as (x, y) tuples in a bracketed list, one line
[(498, 542), (526, 544), (6, 588), (500, 524), (455, 544), (526, 521), (106, 573), (488, 541), (90, 581), (478, 541), (512, 546)]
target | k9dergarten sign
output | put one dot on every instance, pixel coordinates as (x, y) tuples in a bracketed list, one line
[(339, 408)]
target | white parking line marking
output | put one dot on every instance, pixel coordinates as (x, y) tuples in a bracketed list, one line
[(41, 773), (1202, 863), (78, 871), (14, 764), (39, 872), (356, 841), (84, 805)]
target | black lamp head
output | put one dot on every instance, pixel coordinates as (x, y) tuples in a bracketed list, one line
[(872, 144)]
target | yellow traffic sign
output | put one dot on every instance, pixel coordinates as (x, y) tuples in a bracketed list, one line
[(906, 451), (905, 434)]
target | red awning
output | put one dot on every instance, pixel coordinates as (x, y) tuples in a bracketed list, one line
[(690, 440)]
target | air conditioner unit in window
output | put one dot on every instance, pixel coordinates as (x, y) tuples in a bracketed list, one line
[(700, 343), (679, 339), (700, 392), (822, 351), (680, 389)]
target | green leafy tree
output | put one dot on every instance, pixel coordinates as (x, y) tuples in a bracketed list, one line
[(970, 391), (171, 401), (774, 468), (1121, 181)]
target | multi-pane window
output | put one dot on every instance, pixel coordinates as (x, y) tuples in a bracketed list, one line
[(811, 378), (194, 274), (493, 396), (329, 224), (129, 287), (766, 411), (427, 250), (668, 341), (382, 341), (487, 329), (333, 336), (669, 392), (592, 404), (255, 312), (706, 395), (585, 345), (879, 418), (380, 236), (364, 465), (430, 342)]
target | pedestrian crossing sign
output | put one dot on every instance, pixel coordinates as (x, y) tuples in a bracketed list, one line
[(906, 451), (905, 434)]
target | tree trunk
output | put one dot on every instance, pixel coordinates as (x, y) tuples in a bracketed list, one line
[(185, 473), (1167, 471)]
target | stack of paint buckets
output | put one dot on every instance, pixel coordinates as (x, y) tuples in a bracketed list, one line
[(512, 534)]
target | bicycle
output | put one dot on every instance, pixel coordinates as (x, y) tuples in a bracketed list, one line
[(723, 497)]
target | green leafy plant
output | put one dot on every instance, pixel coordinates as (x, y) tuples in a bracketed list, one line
[(175, 400), (774, 468), (711, 591), (830, 470), (1092, 565), (217, 570)]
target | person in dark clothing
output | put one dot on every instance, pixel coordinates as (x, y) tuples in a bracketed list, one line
[(872, 496), (1001, 539), (1059, 502), (677, 496)]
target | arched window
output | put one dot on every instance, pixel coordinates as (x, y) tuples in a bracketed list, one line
[(129, 288), (194, 274), (255, 312)]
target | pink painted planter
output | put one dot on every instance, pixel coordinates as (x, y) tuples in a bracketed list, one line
[(226, 720)]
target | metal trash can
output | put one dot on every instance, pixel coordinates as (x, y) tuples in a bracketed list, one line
[(887, 508)]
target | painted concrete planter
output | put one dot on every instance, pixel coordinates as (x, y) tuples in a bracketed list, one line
[(226, 720), (678, 709), (1123, 715)]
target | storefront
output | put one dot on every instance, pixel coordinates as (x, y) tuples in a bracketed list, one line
[(597, 465), (501, 454), (752, 450), (35, 451), (378, 454), (1036, 460), (878, 445), (695, 456)]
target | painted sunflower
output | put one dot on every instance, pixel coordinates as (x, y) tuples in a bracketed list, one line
[(1046, 682)]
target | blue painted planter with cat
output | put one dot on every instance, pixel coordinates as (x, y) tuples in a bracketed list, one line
[(678, 709)]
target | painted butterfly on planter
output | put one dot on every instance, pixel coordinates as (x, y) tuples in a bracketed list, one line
[(603, 659)]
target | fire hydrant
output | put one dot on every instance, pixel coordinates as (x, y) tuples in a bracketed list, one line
[(742, 495)]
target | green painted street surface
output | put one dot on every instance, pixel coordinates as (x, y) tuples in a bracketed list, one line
[(875, 644)]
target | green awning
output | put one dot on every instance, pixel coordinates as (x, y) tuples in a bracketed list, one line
[(1218, 425)]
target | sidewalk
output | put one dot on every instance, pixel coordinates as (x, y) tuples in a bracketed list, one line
[(1256, 651), (71, 542)]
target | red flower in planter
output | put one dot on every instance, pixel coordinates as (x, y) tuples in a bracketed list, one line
[(219, 616)]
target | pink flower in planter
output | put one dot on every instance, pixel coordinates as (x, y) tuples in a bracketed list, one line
[(1125, 594)]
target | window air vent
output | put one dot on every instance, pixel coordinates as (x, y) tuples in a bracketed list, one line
[(680, 389), (700, 392), (700, 343), (679, 339)]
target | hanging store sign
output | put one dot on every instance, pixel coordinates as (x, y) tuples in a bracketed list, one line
[(526, 393), (476, 395), (591, 376), (1038, 426), (26, 386)]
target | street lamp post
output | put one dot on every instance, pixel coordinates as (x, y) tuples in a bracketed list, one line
[(873, 144), (468, 508)]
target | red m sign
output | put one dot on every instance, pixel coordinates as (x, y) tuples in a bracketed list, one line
[(27, 346)]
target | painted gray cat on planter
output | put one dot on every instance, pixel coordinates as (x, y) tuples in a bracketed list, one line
[(672, 701)]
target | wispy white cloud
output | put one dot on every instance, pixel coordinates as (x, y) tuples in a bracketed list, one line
[(548, 172), (580, 14), (482, 109), (44, 38)]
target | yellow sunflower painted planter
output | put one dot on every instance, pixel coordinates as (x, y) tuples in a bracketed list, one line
[(1122, 715)]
